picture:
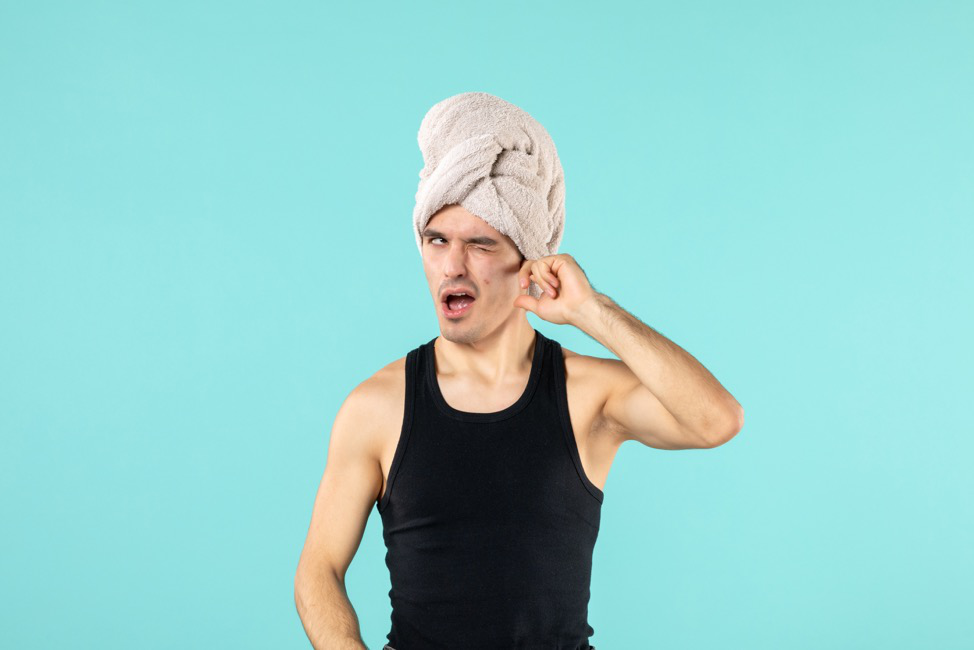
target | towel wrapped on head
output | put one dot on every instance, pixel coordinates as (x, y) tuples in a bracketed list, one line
[(497, 162)]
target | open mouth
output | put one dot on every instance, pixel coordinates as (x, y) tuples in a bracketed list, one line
[(457, 304)]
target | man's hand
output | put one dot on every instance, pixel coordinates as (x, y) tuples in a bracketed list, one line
[(565, 285)]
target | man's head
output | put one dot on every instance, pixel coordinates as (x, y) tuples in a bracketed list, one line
[(463, 253), (494, 161)]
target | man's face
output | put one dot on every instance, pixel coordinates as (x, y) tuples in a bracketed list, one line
[(462, 252)]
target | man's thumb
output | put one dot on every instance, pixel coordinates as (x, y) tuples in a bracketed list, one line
[(525, 301)]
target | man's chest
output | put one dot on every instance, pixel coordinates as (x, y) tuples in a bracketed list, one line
[(596, 446)]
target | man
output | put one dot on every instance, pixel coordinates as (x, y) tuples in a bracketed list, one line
[(486, 450)]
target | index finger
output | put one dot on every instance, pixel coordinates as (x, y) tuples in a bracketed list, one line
[(524, 274)]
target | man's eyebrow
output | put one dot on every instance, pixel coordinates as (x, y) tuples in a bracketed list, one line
[(486, 241)]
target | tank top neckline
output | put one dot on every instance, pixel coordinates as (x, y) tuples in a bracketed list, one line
[(537, 361)]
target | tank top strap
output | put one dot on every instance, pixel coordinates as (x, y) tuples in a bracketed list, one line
[(557, 391), (413, 380)]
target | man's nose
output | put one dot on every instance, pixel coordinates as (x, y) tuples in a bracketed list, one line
[(455, 261)]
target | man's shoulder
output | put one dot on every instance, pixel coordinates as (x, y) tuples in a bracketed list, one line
[(372, 410), (384, 387), (584, 368)]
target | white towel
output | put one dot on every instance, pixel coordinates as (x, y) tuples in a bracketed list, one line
[(500, 164)]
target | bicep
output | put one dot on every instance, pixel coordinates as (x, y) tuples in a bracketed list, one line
[(346, 493), (635, 413)]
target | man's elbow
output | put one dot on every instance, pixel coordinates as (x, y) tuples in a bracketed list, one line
[(723, 434)]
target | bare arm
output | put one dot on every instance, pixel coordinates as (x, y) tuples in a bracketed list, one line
[(347, 492), (327, 614), (660, 394)]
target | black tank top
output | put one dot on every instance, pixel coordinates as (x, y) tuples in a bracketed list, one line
[(489, 520)]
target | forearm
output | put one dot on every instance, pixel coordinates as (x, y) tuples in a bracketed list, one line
[(680, 382), (326, 612)]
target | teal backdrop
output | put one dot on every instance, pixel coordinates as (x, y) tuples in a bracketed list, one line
[(206, 245)]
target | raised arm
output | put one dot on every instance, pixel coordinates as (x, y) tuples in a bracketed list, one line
[(659, 394)]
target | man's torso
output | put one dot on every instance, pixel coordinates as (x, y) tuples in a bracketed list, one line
[(586, 388)]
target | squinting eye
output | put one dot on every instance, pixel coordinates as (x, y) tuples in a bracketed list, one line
[(479, 248)]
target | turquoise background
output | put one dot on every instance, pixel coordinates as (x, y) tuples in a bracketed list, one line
[(206, 244)]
